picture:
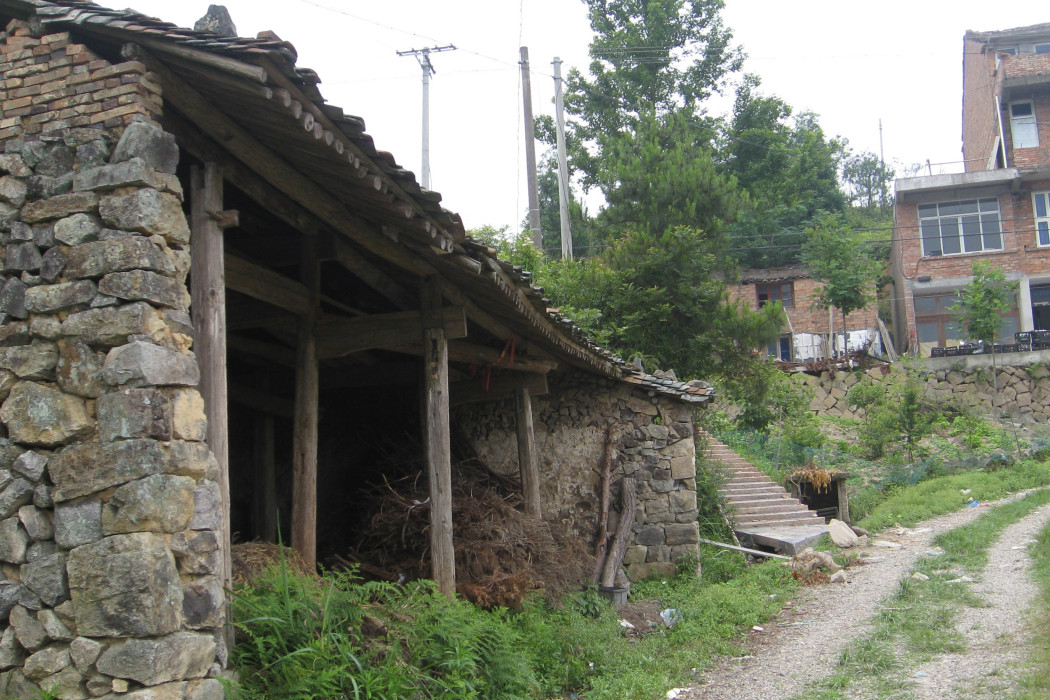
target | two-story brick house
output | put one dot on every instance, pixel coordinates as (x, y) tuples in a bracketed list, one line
[(998, 210)]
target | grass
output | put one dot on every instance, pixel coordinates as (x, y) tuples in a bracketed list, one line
[(1035, 684), (339, 637), (943, 494), (919, 621)]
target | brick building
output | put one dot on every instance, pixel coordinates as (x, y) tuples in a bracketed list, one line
[(997, 210), (805, 336)]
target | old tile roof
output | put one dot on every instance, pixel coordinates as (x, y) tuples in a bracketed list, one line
[(774, 274), (519, 304)]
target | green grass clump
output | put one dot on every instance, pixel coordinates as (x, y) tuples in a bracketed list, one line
[(1036, 682), (941, 495)]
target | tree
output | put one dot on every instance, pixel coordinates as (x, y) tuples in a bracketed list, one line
[(983, 302), (868, 180), (836, 256)]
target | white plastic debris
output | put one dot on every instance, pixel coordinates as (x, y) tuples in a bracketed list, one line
[(671, 617)]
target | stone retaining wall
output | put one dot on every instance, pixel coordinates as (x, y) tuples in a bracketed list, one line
[(109, 509), (1023, 390), (653, 441)]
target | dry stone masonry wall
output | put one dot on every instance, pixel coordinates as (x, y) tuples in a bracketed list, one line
[(109, 510), (653, 440)]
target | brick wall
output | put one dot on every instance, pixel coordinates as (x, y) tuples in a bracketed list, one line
[(980, 126), (1038, 157), (805, 318)]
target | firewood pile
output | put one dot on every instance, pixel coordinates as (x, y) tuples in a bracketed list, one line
[(502, 554)]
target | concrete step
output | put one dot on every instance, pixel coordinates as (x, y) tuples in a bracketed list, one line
[(794, 518), (784, 505), (756, 489)]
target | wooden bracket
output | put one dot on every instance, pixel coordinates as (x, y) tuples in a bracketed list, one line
[(229, 218)]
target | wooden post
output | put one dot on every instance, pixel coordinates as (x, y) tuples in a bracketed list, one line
[(843, 499), (436, 440), (629, 504), (304, 440), (208, 306), (530, 475), (265, 494)]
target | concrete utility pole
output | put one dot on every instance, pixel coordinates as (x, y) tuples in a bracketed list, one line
[(423, 56), (563, 166), (530, 151)]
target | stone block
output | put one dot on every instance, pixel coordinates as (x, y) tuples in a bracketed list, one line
[(13, 541), (125, 586), (11, 652), (130, 173), (15, 495), (683, 500), (14, 164), (197, 554), (22, 257), (50, 298), (634, 555), (13, 190), (52, 264), (145, 364), (147, 211), (47, 661), (46, 577), (36, 361), (188, 419), (150, 143), (650, 535), (91, 154), (59, 206), (77, 229), (203, 603), (54, 626), (56, 160), (84, 653), (79, 369), (134, 413), (112, 326), (103, 257), (205, 689), (192, 459), (179, 656), (30, 464), (36, 522), (11, 594), (639, 572), (683, 467), (13, 298), (682, 533), (67, 684), (207, 507), (142, 285), (38, 414), (158, 503), (86, 468), (28, 630)]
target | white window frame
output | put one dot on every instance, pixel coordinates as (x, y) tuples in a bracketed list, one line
[(1041, 216), (1024, 130), (966, 223)]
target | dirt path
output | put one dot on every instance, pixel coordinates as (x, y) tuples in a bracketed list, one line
[(804, 642)]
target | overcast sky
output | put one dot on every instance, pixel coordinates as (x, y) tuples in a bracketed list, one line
[(852, 63)]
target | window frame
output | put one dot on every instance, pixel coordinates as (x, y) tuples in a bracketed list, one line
[(1023, 121), (774, 291), (1042, 220), (949, 331), (953, 222)]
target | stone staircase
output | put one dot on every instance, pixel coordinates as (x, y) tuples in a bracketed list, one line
[(760, 510)]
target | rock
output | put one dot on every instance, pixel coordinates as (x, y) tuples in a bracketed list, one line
[(30, 633), (36, 361), (145, 364), (841, 534), (217, 21), (46, 577), (112, 326), (78, 522), (147, 211), (49, 298), (15, 495), (178, 656), (59, 206), (207, 507), (12, 163), (130, 173), (86, 468), (682, 533), (30, 464), (150, 143), (52, 264), (650, 535), (11, 592), (67, 684), (198, 554), (839, 577), (206, 689), (11, 652), (84, 653), (79, 369), (91, 154), (13, 541), (188, 419), (142, 285), (12, 190), (158, 503), (47, 661), (103, 257), (37, 414), (13, 298), (22, 257), (919, 576), (36, 522), (203, 603), (126, 586), (134, 413), (77, 229), (55, 161), (55, 628)]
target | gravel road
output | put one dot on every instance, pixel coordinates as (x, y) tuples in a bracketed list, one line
[(804, 642)]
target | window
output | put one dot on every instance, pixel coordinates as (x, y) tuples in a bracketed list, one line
[(1041, 207), (1042, 48), (950, 228), (935, 326), (784, 292), (1022, 125)]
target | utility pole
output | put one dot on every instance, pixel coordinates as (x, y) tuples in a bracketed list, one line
[(423, 56), (882, 166), (563, 167), (530, 151)]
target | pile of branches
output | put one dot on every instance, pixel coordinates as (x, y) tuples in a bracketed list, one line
[(502, 554)]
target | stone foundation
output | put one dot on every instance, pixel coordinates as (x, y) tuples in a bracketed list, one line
[(654, 444)]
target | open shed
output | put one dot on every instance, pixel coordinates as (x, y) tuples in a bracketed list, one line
[(210, 277)]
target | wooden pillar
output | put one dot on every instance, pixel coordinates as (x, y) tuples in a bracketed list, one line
[(208, 307), (843, 499), (527, 463), (304, 440), (264, 496), (436, 440)]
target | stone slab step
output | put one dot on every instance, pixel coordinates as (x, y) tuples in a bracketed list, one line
[(754, 490), (786, 539), (777, 519), (782, 505)]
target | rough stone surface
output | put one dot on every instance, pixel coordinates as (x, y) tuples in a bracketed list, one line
[(13, 541), (147, 211), (86, 468), (142, 285), (178, 656), (59, 206), (134, 413), (158, 503), (11, 652), (188, 419), (85, 653), (54, 626), (77, 229), (35, 361), (30, 633), (78, 522), (112, 326), (131, 173), (79, 369), (16, 494), (203, 602), (13, 298), (30, 464), (207, 511), (22, 257), (126, 586), (47, 661), (38, 414), (152, 145), (145, 364), (46, 577), (50, 298), (103, 257), (36, 522), (842, 534)]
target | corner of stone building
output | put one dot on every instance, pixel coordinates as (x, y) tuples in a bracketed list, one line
[(110, 546)]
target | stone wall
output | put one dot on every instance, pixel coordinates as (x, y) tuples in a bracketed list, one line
[(1024, 391), (653, 443), (109, 512)]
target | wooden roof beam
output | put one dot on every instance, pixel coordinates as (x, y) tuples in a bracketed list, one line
[(501, 388), (337, 336), (266, 285), (474, 354)]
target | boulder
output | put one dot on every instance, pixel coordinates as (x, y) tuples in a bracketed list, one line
[(179, 656), (841, 534)]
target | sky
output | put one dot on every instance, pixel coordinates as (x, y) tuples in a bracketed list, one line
[(851, 63)]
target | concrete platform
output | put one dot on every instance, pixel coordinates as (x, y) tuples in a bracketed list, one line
[(787, 540)]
